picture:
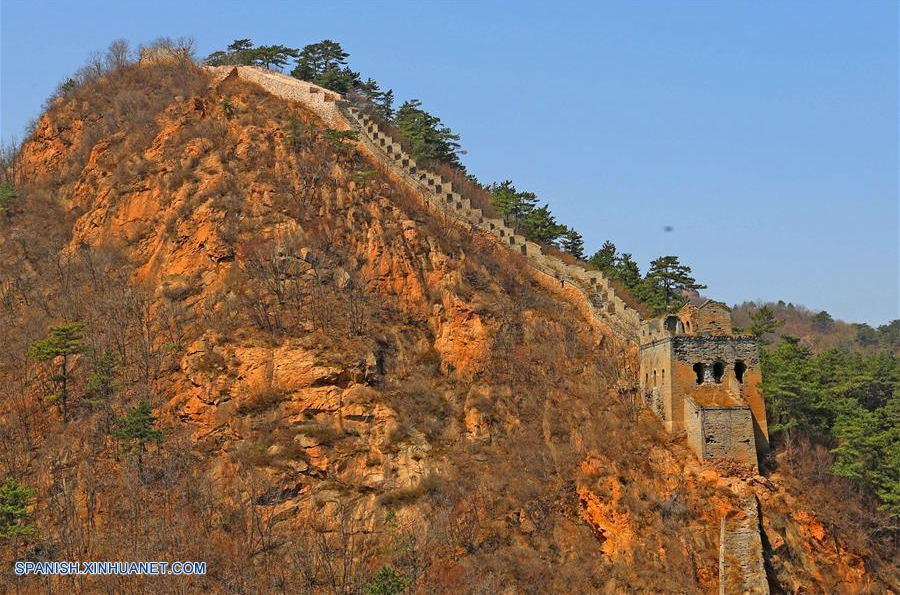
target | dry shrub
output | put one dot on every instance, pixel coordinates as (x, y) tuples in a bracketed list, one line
[(323, 434), (846, 508), (421, 407), (428, 485), (260, 399)]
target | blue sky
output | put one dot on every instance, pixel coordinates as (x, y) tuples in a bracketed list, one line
[(765, 133)]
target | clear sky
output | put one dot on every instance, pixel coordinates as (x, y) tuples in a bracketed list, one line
[(765, 133)]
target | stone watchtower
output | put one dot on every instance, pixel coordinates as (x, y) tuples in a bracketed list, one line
[(700, 378)]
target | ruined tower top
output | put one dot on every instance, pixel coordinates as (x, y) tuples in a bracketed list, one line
[(710, 318)]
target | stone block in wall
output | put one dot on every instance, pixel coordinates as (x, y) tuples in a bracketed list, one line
[(533, 248), (693, 426)]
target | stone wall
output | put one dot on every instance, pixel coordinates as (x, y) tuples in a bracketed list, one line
[(593, 285), (710, 318), (318, 99), (707, 350), (741, 564), (726, 432), (693, 426), (656, 375), (732, 353)]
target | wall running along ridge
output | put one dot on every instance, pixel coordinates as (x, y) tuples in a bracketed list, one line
[(439, 194), (740, 559)]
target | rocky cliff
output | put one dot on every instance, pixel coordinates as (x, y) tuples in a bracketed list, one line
[(347, 380)]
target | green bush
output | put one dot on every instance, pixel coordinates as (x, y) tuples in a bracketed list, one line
[(7, 196), (387, 582)]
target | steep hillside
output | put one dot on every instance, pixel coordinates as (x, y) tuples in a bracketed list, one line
[(820, 331), (347, 380)]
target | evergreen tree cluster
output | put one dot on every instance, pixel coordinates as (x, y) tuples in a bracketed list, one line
[(137, 428), (426, 135), (886, 335), (664, 288), (16, 501), (848, 401), (323, 63), (428, 139), (536, 223)]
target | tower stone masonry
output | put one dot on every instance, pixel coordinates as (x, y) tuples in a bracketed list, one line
[(701, 379)]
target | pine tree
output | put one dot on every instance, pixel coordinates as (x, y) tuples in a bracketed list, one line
[(573, 243), (387, 582), (763, 322), (273, 56), (381, 102), (666, 281), (540, 225), (102, 384), (626, 271), (8, 196), (137, 429), (866, 335), (241, 47), (427, 137), (823, 322), (63, 342), (604, 259), (15, 504), (239, 53), (325, 64), (867, 450), (511, 203)]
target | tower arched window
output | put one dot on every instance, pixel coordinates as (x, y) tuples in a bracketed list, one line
[(718, 371), (739, 369), (698, 370)]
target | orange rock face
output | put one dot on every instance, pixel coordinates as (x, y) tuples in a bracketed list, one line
[(611, 525)]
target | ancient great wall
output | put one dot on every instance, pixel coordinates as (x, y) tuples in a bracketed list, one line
[(741, 566), (439, 195)]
